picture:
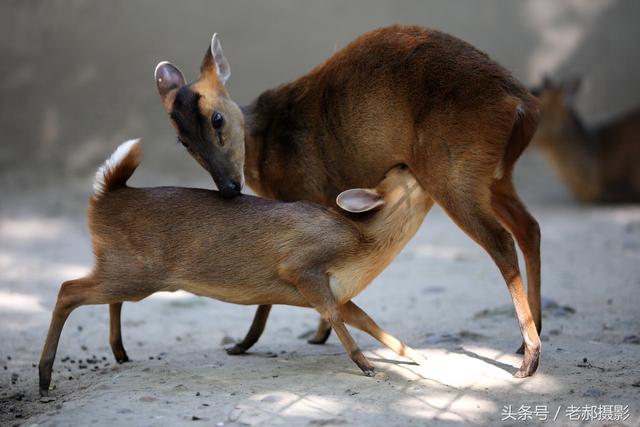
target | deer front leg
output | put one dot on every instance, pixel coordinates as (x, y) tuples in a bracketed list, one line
[(315, 288), (356, 317)]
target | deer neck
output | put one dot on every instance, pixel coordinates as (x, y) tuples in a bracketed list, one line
[(256, 124), (387, 231)]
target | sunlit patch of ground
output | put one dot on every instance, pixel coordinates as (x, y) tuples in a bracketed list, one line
[(442, 296)]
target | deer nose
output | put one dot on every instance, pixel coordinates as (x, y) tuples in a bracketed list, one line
[(230, 189)]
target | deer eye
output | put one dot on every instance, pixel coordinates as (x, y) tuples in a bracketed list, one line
[(217, 120)]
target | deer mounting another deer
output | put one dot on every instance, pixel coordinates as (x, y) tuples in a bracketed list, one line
[(396, 95)]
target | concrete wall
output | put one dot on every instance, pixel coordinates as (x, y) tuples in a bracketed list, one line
[(77, 75)]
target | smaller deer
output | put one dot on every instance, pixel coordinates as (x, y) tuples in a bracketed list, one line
[(245, 250), (600, 165)]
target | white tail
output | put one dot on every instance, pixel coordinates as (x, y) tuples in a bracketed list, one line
[(106, 174)]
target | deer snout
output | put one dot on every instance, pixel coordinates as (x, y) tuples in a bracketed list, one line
[(230, 189)]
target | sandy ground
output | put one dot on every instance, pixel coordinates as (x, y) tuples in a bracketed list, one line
[(442, 295)]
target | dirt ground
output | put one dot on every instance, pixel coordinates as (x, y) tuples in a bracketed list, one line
[(72, 88), (442, 296)]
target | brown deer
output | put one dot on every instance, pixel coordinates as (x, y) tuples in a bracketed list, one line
[(147, 240), (395, 95), (601, 164)]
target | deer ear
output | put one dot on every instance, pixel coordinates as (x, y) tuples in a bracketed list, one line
[(168, 77), (214, 62), (359, 200)]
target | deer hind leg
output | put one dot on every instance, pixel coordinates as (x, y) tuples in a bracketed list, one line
[(322, 333), (115, 333), (512, 213), (256, 329), (73, 294), (356, 317), (472, 212)]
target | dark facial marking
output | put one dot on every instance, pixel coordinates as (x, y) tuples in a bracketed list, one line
[(185, 113)]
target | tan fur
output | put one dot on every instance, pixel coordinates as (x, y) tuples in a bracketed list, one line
[(393, 231), (246, 250), (600, 165)]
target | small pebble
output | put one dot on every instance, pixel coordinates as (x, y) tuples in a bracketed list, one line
[(227, 340)]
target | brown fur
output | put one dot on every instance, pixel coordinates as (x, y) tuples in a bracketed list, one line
[(246, 250), (419, 97), (600, 165)]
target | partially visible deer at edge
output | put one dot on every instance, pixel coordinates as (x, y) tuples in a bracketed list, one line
[(406, 95), (599, 164)]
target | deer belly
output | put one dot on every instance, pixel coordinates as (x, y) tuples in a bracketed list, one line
[(345, 285), (267, 293)]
